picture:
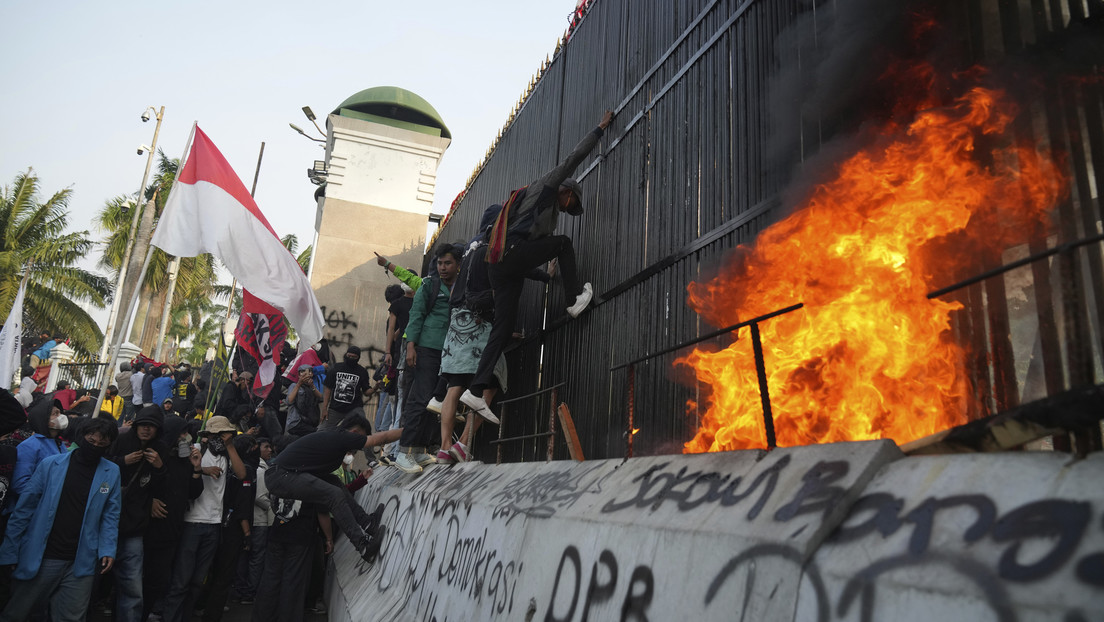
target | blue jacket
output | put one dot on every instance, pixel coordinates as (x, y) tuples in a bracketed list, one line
[(163, 389), (33, 518), (31, 452), (43, 352)]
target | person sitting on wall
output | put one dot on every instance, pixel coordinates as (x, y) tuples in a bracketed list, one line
[(522, 240)]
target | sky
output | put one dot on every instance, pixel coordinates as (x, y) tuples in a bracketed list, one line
[(78, 76)]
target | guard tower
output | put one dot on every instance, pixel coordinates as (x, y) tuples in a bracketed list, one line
[(379, 179)]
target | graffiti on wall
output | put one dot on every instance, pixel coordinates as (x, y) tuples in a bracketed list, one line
[(445, 562)]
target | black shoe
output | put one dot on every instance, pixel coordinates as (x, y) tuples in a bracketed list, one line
[(371, 524), (369, 548)]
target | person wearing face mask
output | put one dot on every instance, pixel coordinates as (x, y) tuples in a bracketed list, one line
[(304, 471), (345, 390), (47, 422), (199, 539), (237, 526), (140, 456), (183, 483), (64, 529), (252, 562), (237, 398)]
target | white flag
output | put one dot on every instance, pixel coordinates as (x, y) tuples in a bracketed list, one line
[(210, 211), (11, 338)]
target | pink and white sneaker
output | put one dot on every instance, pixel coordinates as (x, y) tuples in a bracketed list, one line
[(444, 457), (459, 452)]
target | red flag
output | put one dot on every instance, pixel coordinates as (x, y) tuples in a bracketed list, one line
[(310, 357), (262, 336), (210, 211)]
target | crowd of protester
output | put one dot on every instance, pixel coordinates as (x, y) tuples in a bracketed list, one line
[(170, 502), (158, 508)]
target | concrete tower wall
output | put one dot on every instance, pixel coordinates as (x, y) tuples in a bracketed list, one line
[(379, 192)]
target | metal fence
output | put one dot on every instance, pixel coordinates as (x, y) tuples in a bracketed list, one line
[(82, 375), (715, 113)]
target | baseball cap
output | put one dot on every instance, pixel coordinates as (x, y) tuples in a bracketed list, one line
[(574, 186)]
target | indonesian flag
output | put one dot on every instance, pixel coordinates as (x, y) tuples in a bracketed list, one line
[(210, 211)]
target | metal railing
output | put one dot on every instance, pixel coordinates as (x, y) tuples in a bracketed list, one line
[(760, 370)]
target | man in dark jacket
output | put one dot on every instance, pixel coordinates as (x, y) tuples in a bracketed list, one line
[(183, 483), (152, 373), (237, 525), (304, 471), (237, 398), (530, 217), (141, 458)]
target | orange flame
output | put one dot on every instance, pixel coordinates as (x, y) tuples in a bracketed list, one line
[(869, 356)]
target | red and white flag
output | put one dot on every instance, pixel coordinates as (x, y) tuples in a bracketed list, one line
[(210, 211)]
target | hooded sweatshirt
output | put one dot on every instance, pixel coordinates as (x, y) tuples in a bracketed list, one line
[(180, 487), (37, 447), (141, 480)]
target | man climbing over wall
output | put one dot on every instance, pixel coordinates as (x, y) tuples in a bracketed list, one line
[(521, 241)]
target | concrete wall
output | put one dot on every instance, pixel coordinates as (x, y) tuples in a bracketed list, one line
[(379, 192), (835, 532)]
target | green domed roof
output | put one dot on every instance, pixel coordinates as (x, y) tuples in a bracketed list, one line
[(391, 103)]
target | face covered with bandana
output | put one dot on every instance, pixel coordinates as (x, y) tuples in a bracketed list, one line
[(217, 443), (90, 448)]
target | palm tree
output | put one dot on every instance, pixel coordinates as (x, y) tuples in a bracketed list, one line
[(197, 320), (32, 233), (196, 278), (291, 242)]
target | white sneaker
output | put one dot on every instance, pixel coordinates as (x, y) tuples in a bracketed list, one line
[(407, 463), (423, 459), (434, 405), (479, 405), (581, 301)]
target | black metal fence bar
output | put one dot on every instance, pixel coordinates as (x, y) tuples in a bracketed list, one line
[(521, 438), (1019, 263), (530, 395), (708, 336)]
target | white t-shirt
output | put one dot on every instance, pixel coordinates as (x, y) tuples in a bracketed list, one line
[(262, 508), (26, 388), (207, 508)]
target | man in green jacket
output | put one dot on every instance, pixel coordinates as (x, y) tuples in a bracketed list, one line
[(425, 336)]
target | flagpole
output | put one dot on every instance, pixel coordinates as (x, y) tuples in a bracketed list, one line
[(252, 194), (126, 318), (120, 285)]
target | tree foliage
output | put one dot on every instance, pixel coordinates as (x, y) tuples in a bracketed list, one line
[(33, 237)]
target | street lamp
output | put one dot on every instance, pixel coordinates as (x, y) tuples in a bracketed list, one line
[(113, 317), (300, 130)]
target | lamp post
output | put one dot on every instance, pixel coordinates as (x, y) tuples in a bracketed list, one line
[(113, 316)]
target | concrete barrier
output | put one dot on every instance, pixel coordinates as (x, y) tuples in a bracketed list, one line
[(736, 536)]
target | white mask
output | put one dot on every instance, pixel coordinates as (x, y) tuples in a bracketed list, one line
[(348, 459), (60, 423)]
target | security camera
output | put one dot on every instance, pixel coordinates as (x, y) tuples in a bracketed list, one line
[(142, 149), (145, 116)]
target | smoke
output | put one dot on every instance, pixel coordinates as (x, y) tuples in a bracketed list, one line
[(829, 61)]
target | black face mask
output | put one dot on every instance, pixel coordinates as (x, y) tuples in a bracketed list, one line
[(87, 453), (216, 446)]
